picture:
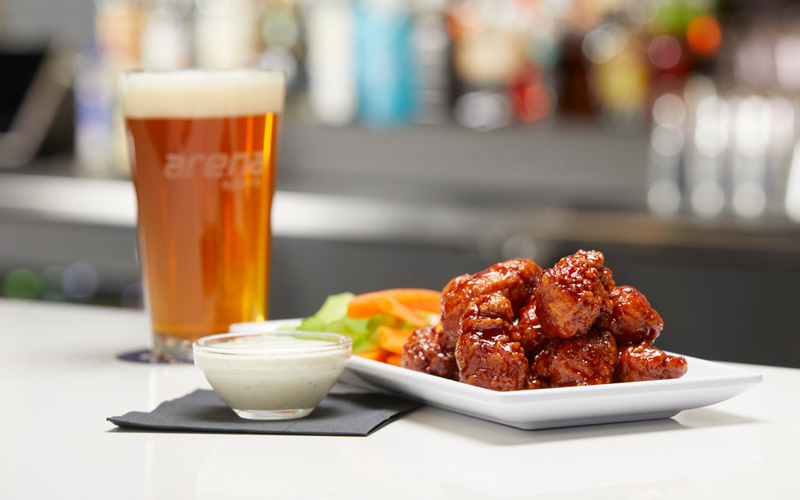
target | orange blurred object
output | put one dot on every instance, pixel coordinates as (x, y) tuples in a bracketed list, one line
[(391, 306), (394, 359), (375, 355), (393, 339), (372, 303), (704, 35), (463, 22)]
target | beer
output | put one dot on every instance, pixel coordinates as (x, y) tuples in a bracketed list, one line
[(203, 149)]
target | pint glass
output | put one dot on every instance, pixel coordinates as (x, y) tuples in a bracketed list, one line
[(202, 147)]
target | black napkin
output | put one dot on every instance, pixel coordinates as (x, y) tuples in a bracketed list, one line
[(353, 414)]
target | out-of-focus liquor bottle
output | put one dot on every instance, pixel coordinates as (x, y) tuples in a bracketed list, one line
[(100, 136), (489, 49), (226, 33), (432, 57), (573, 88), (94, 104), (330, 61), (281, 45), (385, 68), (166, 35), (665, 195)]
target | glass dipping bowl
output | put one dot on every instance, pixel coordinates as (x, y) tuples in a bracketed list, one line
[(272, 375)]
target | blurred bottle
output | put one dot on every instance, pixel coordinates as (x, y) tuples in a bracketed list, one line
[(665, 160), (94, 106), (619, 75), (750, 140), (531, 98), (783, 130), (574, 90), (166, 40), (385, 69), (118, 30), (330, 61), (488, 46), (100, 137), (489, 51), (574, 94), (226, 34), (432, 55), (280, 45), (707, 174), (532, 87)]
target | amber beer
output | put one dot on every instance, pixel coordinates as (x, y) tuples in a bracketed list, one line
[(203, 149)]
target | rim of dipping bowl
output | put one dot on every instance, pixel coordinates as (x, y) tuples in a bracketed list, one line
[(235, 343)]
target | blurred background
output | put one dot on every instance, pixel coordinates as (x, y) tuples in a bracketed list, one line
[(424, 139)]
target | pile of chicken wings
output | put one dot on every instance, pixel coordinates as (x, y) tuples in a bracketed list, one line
[(516, 326)]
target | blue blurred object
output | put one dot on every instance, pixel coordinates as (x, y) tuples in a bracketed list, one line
[(385, 71)]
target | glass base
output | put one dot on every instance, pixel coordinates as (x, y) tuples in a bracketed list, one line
[(273, 414), (168, 349)]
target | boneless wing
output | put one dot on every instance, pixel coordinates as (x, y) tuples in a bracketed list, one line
[(645, 362), (528, 330), (572, 294), (514, 326), (423, 352), (486, 354), (631, 320), (514, 279), (587, 359)]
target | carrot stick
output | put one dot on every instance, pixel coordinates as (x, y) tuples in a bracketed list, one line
[(394, 359), (391, 306), (393, 339), (367, 304), (375, 354)]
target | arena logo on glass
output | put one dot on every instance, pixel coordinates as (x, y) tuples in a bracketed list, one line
[(232, 169)]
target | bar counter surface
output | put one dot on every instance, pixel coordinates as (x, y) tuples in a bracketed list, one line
[(61, 379)]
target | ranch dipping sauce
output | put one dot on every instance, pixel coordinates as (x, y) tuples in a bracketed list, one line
[(276, 375)]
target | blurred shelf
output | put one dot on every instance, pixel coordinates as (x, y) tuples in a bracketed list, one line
[(555, 164), (440, 185)]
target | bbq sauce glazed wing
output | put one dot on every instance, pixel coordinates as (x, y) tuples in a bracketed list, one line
[(529, 331), (423, 353), (572, 294), (587, 359), (514, 279), (631, 319), (486, 354), (571, 321), (645, 362)]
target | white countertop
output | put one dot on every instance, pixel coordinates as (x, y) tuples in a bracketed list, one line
[(61, 379)]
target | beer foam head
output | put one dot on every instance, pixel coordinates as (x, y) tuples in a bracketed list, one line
[(201, 93)]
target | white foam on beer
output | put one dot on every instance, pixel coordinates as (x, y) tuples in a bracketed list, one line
[(202, 94)]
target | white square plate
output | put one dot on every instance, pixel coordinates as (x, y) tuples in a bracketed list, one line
[(705, 383)]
